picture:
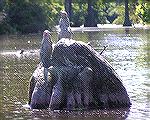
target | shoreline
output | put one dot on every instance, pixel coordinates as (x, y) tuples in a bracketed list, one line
[(105, 27), (100, 27)]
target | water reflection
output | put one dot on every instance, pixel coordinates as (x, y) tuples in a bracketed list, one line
[(64, 115), (128, 52)]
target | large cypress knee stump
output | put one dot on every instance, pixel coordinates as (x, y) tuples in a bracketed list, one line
[(79, 78)]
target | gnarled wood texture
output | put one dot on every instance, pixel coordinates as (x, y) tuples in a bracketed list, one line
[(80, 78)]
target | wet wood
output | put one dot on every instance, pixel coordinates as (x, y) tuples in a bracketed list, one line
[(80, 78)]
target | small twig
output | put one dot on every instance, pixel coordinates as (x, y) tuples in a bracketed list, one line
[(21, 52), (103, 49)]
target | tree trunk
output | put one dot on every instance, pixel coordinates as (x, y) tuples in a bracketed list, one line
[(68, 8), (89, 20), (1, 5), (127, 21)]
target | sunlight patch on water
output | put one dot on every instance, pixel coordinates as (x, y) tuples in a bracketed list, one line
[(18, 54), (135, 79), (123, 41)]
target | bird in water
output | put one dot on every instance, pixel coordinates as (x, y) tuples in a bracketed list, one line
[(46, 52)]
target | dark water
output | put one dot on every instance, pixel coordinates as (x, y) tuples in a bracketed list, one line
[(127, 51)]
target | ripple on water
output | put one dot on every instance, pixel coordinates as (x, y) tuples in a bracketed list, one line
[(128, 54)]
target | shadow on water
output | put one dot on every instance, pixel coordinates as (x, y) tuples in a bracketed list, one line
[(128, 51)]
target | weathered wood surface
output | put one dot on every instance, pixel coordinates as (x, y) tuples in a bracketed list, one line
[(79, 78)]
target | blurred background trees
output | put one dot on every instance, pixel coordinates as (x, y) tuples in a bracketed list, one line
[(32, 16)]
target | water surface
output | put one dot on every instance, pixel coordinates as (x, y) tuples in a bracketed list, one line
[(128, 52)]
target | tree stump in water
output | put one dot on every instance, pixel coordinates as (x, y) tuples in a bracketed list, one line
[(79, 78)]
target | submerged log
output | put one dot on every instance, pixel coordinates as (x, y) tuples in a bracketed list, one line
[(79, 78)]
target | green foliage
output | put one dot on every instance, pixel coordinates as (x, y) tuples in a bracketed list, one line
[(26, 17), (146, 13), (5, 28), (136, 13), (120, 11), (79, 11), (106, 12), (2, 5), (52, 10), (139, 12), (100, 12), (29, 16)]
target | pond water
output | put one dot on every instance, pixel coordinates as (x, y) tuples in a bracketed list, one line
[(128, 51)]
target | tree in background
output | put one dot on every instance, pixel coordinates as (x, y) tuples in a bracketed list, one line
[(127, 21), (1, 5), (137, 9), (143, 9), (68, 8), (90, 19), (26, 17), (88, 12), (31, 16), (79, 13)]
